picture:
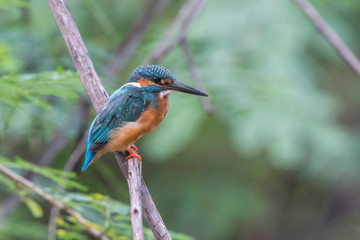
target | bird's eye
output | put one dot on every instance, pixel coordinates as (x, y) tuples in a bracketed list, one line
[(157, 80)]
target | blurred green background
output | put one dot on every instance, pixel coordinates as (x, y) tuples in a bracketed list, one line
[(278, 160)]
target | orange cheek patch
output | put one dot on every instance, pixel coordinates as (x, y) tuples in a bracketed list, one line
[(144, 82), (167, 81)]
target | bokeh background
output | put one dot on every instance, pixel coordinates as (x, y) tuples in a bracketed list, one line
[(279, 158)]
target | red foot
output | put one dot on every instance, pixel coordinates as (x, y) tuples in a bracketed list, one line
[(133, 152)]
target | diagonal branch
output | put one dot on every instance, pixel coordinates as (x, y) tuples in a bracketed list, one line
[(133, 38), (149, 209), (177, 31), (209, 108), (330, 35), (41, 193), (98, 97), (179, 28), (79, 53)]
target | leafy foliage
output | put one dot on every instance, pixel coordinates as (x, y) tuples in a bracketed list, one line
[(10, 3), (64, 179), (102, 212), (32, 88), (23, 95)]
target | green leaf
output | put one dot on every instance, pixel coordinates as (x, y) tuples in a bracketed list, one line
[(5, 4), (65, 179), (34, 207)]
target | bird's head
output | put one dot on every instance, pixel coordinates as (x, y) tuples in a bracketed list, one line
[(158, 79)]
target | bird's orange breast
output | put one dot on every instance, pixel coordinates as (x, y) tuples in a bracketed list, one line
[(127, 134)]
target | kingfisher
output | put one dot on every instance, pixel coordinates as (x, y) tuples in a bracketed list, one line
[(132, 111)]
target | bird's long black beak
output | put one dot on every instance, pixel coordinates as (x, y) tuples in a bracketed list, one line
[(180, 87)]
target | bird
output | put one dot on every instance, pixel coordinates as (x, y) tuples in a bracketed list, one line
[(133, 110)]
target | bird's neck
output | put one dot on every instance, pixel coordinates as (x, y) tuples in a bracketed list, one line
[(165, 93)]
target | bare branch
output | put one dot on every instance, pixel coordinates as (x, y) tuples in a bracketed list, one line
[(48, 198), (77, 153), (330, 35), (99, 96), (152, 215), (52, 149), (150, 212), (134, 181), (54, 213), (209, 108), (133, 38), (79, 53), (178, 29)]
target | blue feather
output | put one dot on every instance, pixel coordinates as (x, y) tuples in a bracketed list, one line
[(89, 157), (149, 71), (126, 104), (89, 154)]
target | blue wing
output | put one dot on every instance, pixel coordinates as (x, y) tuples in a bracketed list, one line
[(124, 105)]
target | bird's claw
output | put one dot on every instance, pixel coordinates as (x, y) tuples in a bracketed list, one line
[(133, 152)]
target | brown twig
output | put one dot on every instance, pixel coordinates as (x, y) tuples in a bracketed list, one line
[(77, 153), (79, 53), (152, 215), (209, 108), (98, 97), (330, 35), (134, 181), (150, 212), (41, 193), (134, 36), (178, 29)]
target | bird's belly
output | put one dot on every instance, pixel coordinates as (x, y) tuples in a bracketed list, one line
[(126, 135)]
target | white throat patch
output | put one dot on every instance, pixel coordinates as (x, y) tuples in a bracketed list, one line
[(165, 93), (135, 84)]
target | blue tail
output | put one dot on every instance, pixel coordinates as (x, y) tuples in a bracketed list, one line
[(89, 154), (89, 157)]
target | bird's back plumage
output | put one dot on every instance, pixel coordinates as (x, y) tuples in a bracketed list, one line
[(126, 105), (133, 110)]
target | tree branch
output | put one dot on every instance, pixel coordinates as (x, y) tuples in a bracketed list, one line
[(41, 193), (330, 35), (134, 181), (79, 53), (209, 108), (98, 97), (178, 30), (150, 212), (134, 36)]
